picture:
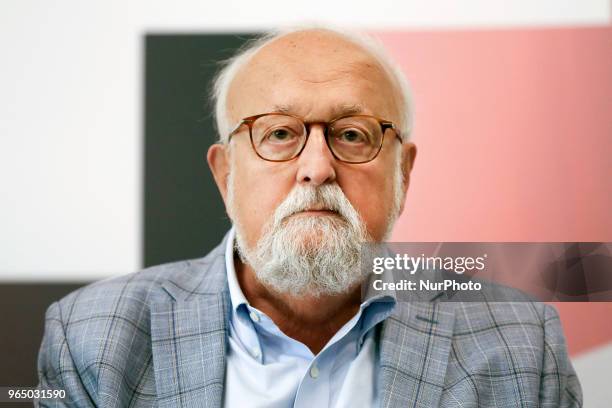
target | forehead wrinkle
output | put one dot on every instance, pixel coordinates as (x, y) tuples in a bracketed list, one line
[(354, 65)]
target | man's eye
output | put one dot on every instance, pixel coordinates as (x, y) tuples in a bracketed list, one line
[(352, 136), (280, 135)]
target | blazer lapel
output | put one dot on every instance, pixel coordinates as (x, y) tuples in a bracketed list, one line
[(188, 341), (189, 334), (415, 345)]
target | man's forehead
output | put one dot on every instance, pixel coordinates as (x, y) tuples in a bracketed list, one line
[(317, 55), (311, 42), (315, 60)]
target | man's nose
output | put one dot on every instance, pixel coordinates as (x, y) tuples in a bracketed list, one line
[(316, 162)]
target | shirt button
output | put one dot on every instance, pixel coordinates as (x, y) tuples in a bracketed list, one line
[(254, 316), (314, 371), (255, 352)]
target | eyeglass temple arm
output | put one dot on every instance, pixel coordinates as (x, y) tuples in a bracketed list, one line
[(238, 126), (390, 125)]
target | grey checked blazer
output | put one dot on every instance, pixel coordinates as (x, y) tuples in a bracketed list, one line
[(159, 337)]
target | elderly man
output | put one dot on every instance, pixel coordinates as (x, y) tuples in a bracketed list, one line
[(313, 160)]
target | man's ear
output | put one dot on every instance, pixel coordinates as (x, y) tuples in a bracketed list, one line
[(218, 161), (409, 152)]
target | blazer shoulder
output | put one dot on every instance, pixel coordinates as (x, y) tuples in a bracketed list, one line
[(117, 307), (504, 318), (125, 294), (136, 291), (507, 336), (521, 345), (103, 330)]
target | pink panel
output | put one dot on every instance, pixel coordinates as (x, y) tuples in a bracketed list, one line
[(514, 130)]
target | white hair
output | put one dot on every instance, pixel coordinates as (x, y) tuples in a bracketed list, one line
[(372, 45)]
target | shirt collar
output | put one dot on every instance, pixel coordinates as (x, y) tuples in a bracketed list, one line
[(237, 297)]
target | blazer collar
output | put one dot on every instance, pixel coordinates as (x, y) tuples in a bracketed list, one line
[(198, 277)]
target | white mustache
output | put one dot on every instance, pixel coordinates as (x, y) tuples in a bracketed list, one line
[(328, 197)]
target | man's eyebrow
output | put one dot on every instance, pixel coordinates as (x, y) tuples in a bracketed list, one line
[(348, 109), (340, 110)]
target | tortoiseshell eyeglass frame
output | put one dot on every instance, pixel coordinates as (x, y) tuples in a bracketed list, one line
[(384, 125)]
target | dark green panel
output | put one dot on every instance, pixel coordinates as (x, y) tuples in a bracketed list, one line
[(23, 322), (184, 215)]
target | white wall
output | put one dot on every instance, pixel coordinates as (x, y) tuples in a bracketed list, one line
[(593, 370), (71, 115)]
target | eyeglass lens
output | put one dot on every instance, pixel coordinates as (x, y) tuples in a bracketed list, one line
[(281, 137)]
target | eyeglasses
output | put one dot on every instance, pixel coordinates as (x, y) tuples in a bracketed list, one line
[(280, 137)]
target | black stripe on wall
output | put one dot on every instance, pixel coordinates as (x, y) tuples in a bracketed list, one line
[(184, 216)]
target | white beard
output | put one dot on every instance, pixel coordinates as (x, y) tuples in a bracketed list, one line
[(308, 254)]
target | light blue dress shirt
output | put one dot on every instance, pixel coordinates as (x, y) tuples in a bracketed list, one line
[(267, 368)]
